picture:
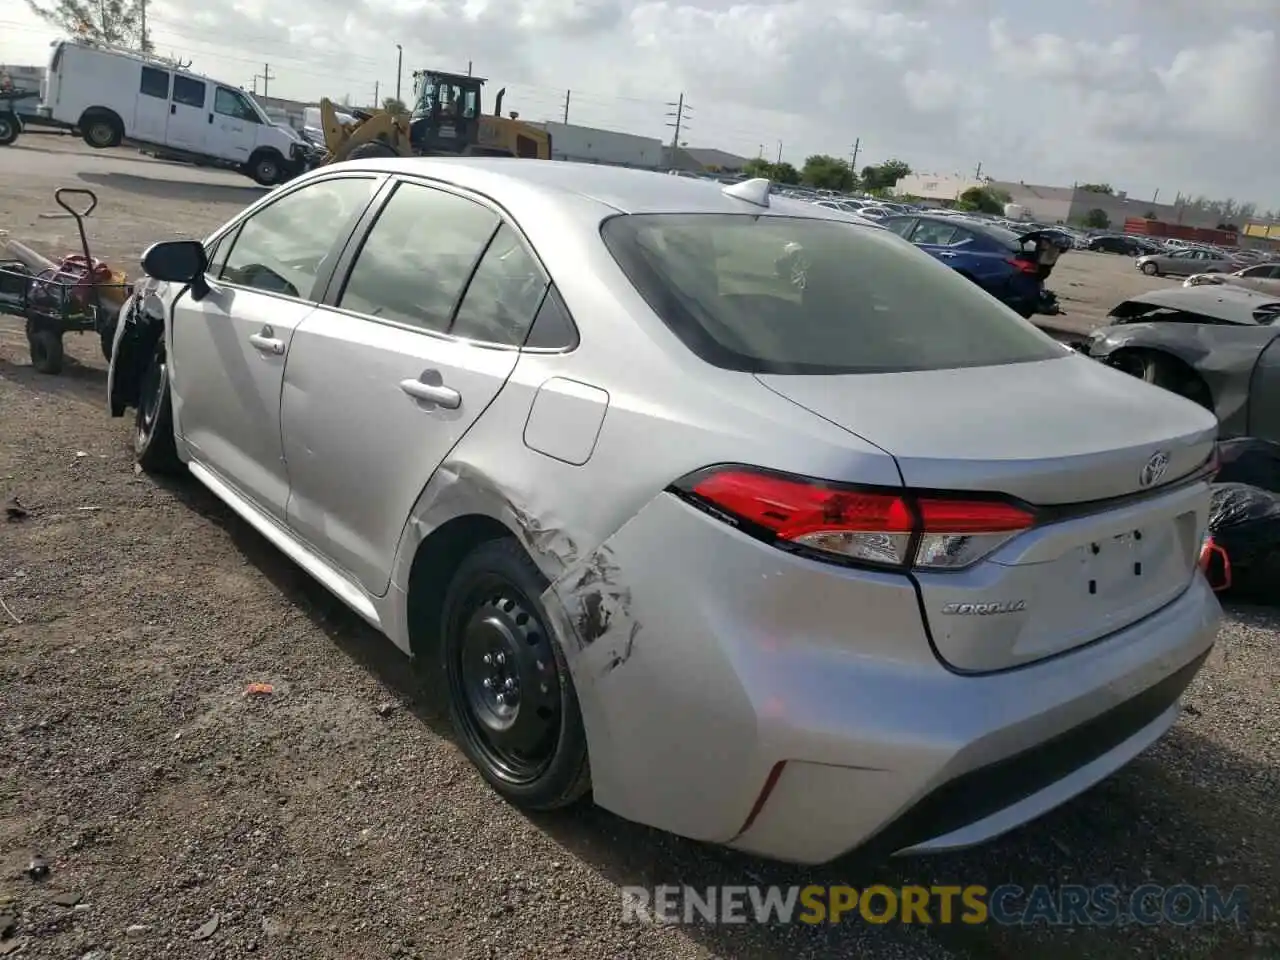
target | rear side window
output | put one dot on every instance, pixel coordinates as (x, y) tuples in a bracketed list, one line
[(809, 296), (503, 295), (155, 83)]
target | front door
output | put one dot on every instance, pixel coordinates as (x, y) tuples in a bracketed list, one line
[(189, 120), (151, 117), (380, 387), (229, 350), (235, 126)]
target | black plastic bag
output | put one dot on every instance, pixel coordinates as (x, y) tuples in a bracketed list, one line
[(1250, 460), (1243, 554)]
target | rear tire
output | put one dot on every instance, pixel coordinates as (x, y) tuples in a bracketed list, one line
[(45, 345), (10, 127), (511, 697), (154, 445)]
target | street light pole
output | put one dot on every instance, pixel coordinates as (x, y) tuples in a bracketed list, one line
[(399, 68)]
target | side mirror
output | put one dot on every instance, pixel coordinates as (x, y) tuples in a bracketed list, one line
[(178, 261)]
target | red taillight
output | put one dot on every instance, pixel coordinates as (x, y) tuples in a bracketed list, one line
[(891, 528), (1026, 266)]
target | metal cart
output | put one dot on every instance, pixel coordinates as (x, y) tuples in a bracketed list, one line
[(79, 294)]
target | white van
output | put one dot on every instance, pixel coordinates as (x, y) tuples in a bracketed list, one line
[(110, 95)]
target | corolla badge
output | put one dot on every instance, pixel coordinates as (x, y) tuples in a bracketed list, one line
[(984, 609), (1154, 469)]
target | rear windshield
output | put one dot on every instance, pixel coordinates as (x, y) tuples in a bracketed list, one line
[(771, 294)]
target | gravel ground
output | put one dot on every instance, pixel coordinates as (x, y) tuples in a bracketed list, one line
[(335, 817)]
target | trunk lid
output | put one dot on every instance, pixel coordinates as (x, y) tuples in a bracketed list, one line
[(1059, 433), (1042, 247)]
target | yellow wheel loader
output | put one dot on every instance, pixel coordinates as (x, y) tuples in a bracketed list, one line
[(447, 119)]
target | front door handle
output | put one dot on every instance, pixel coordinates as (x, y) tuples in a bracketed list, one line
[(436, 393), (265, 343), (173, 108), (211, 118), (945, 256)]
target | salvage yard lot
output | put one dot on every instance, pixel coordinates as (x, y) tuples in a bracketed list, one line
[(334, 817)]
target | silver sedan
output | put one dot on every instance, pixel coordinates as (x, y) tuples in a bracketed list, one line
[(746, 518)]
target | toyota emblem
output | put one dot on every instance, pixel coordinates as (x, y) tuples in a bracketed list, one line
[(1154, 470)]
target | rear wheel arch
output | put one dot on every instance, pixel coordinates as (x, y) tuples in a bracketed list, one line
[(434, 562)]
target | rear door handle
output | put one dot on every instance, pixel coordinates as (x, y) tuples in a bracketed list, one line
[(946, 256), (265, 343), (438, 394)]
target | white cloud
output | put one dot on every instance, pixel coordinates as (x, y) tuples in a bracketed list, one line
[(1139, 93)]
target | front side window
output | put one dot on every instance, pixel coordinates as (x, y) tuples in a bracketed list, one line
[(232, 103), (285, 247), (188, 92), (809, 296), (417, 258)]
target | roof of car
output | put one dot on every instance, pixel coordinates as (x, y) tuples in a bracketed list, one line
[(619, 188), (1233, 304)]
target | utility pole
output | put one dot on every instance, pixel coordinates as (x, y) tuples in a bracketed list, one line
[(255, 85), (977, 173), (853, 157), (468, 68), (779, 151), (399, 69), (679, 116), (567, 94), (265, 76), (760, 155), (142, 16), (376, 101)]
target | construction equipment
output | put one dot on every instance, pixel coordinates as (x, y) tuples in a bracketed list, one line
[(447, 119)]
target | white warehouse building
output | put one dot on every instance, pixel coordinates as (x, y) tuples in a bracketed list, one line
[(592, 145)]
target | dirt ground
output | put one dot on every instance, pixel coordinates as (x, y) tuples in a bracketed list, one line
[(335, 817)]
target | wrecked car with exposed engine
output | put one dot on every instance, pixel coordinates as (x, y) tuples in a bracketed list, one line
[(1214, 344), (796, 559)]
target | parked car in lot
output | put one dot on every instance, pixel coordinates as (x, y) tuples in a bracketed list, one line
[(1010, 266), (1182, 263), (1216, 345), (787, 560), (1265, 278), (1119, 243)]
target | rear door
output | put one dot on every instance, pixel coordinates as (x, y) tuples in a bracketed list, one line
[(189, 121), (418, 336), (151, 117)]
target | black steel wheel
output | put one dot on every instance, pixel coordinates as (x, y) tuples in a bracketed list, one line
[(153, 440), (510, 694)]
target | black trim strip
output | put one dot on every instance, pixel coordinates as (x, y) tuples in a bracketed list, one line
[(978, 794)]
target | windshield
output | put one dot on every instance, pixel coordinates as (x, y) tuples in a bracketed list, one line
[(812, 296)]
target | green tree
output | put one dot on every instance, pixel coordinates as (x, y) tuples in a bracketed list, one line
[(979, 199), (827, 173), (394, 106), (1097, 219), (1097, 188), (884, 175), (777, 172), (101, 21)]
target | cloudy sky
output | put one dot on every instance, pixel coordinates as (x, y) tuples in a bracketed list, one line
[(1175, 95)]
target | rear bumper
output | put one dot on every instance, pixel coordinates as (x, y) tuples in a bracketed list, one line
[(795, 710)]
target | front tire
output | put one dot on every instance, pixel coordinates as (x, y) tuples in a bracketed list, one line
[(1150, 269), (266, 168), (511, 698), (153, 440)]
